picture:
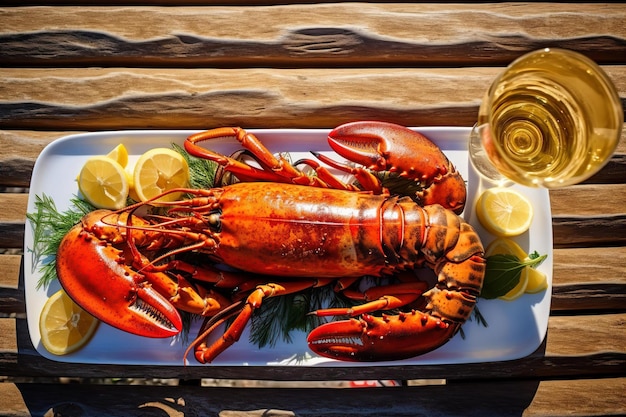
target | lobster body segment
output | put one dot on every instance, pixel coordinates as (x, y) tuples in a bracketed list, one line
[(297, 231)]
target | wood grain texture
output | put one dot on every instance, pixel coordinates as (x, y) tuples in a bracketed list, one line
[(588, 198), (108, 99), (142, 98), (340, 34), (515, 398), (561, 355), (22, 147)]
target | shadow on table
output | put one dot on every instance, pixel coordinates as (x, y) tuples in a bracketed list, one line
[(501, 398)]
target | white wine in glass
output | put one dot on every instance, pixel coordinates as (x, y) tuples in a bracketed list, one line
[(553, 118)]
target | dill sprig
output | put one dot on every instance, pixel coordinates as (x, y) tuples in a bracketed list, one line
[(49, 227), (277, 317), (201, 171)]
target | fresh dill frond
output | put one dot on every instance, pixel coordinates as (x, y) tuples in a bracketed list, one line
[(480, 319), (49, 227), (201, 171), (476, 315), (279, 316)]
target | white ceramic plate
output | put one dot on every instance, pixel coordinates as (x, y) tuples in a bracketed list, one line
[(515, 329)]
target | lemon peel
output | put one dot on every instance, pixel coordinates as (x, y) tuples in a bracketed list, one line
[(64, 326)]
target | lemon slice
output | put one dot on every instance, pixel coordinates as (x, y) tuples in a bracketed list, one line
[(157, 171), (504, 212), (537, 281), (519, 289), (64, 326), (119, 154), (102, 181)]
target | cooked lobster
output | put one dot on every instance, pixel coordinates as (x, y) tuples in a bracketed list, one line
[(124, 268)]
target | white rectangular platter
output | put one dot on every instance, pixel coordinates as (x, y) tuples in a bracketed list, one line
[(515, 328)]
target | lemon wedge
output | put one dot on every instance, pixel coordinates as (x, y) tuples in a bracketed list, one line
[(537, 281), (119, 154), (505, 246), (519, 290), (157, 171), (504, 212), (103, 183), (64, 326)]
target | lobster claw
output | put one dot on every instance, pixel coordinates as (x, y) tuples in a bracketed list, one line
[(94, 275), (382, 146), (371, 338)]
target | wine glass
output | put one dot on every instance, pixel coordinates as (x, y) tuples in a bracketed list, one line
[(553, 118)]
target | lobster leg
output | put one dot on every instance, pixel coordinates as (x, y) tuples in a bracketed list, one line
[(275, 169), (385, 297), (206, 353), (367, 180)]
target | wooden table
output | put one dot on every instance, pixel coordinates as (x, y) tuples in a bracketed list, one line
[(67, 69)]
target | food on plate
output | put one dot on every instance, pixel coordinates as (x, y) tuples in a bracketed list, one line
[(64, 326), (103, 182), (158, 171), (505, 246), (519, 289), (504, 212), (530, 280), (283, 233), (119, 154), (537, 281)]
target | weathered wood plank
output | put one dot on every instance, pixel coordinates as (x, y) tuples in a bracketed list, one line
[(108, 99), (562, 355), (501, 398), (589, 279), (584, 231), (12, 299), (22, 147), (339, 34), (10, 270), (116, 98), (589, 199)]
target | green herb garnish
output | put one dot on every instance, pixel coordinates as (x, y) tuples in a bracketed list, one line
[(504, 271), (201, 171), (277, 317), (49, 227)]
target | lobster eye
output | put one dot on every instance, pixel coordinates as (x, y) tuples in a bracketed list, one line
[(214, 221)]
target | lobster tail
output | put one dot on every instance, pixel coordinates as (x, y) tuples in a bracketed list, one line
[(453, 250)]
